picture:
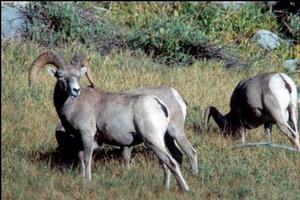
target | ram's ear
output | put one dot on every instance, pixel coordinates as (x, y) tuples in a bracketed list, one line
[(51, 70), (83, 70)]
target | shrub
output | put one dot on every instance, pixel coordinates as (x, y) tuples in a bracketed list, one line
[(52, 24), (180, 32), (171, 32)]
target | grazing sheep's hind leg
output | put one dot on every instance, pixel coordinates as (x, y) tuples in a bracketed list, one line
[(284, 126), (292, 135), (293, 113), (282, 106), (186, 146)]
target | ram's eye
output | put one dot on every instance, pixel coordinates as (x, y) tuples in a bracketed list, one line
[(60, 75)]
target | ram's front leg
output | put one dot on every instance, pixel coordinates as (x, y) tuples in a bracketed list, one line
[(80, 156), (126, 155), (86, 161)]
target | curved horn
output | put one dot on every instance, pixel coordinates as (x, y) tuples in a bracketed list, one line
[(218, 117), (43, 59), (83, 61)]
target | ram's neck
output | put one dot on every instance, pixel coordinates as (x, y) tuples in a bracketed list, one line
[(60, 96)]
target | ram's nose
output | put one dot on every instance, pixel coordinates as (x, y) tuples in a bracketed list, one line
[(76, 90)]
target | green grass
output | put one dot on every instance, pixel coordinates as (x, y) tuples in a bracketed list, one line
[(29, 120)]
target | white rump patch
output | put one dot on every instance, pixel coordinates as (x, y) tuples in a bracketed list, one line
[(180, 101), (293, 88), (282, 94)]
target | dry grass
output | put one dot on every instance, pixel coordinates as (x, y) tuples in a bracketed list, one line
[(28, 141)]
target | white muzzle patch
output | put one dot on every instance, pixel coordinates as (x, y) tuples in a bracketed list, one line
[(74, 89)]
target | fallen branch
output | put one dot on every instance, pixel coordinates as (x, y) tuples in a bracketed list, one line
[(268, 144)]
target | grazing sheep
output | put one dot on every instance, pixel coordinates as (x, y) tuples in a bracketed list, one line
[(100, 116), (269, 98)]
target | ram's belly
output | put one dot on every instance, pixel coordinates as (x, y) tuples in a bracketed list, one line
[(118, 138), (119, 132)]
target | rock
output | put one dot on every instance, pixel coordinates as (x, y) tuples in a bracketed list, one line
[(291, 64), (271, 3), (15, 3), (100, 9), (12, 22), (232, 4), (266, 39)]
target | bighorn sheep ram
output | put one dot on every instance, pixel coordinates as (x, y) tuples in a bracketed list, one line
[(268, 98), (173, 100), (121, 119), (178, 110)]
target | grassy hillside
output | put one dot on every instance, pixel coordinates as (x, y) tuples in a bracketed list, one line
[(30, 165)]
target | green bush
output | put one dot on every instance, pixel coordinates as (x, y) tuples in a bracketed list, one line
[(53, 23), (171, 32)]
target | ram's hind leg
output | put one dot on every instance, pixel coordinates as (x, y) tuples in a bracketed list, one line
[(167, 176), (165, 158), (151, 121)]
